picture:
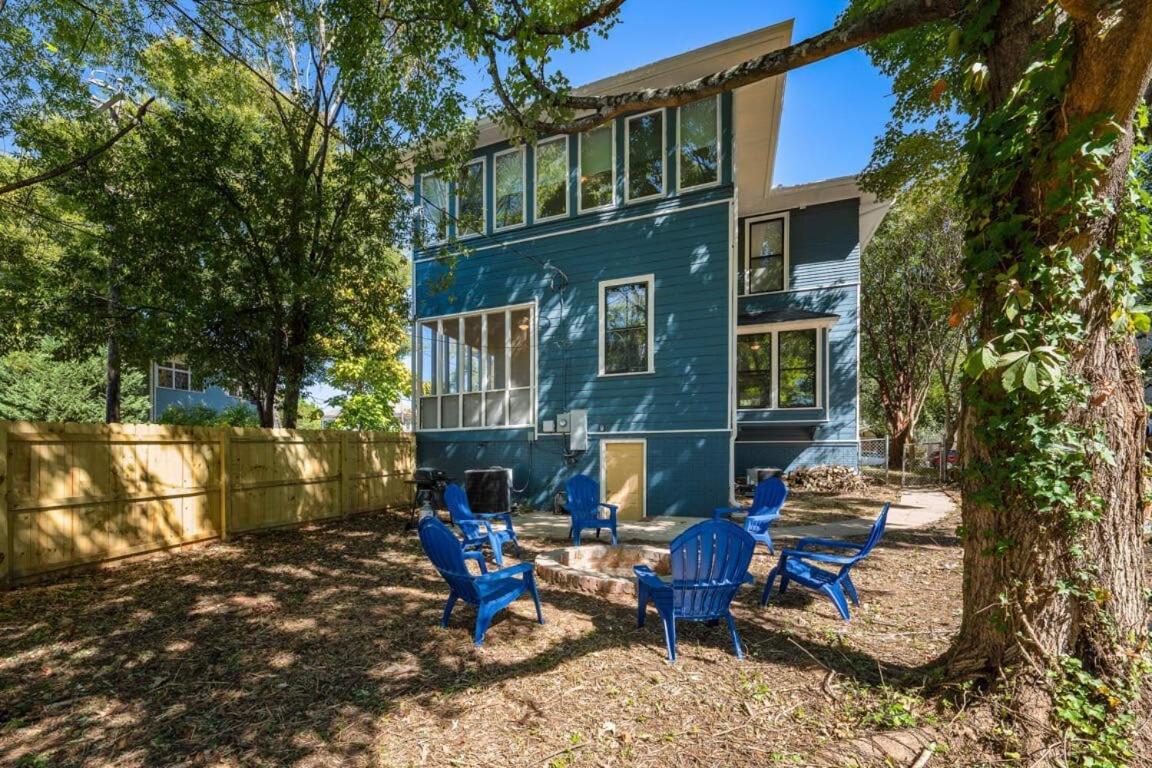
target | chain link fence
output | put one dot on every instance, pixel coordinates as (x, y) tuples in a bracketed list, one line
[(874, 459)]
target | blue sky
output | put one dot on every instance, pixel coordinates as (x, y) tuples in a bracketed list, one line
[(832, 110)]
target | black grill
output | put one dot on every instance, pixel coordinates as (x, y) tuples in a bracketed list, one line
[(430, 484)]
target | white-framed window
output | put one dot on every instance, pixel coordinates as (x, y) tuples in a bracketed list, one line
[(626, 324), (470, 199), (698, 144), (597, 165), (433, 208), (780, 367), (477, 370), (172, 374), (509, 206), (645, 151), (551, 170), (764, 263)]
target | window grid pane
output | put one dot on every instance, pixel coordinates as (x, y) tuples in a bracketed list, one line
[(797, 375), (765, 256), (699, 144), (626, 328), (645, 155), (596, 163), (434, 193), (754, 371), (470, 200), (552, 178), (509, 204)]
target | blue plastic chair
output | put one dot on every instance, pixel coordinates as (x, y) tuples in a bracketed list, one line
[(771, 493), (489, 592), (584, 505), (477, 528), (709, 565), (798, 564)]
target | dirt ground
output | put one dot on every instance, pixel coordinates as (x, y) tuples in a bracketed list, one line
[(320, 646)]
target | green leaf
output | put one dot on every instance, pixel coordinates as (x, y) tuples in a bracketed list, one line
[(1031, 380)]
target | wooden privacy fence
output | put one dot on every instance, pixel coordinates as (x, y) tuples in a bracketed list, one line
[(72, 494)]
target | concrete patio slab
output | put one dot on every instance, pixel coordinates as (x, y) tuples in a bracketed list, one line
[(916, 509)]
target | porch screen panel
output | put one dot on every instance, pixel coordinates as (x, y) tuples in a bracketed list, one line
[(429, 404), (477, 370)]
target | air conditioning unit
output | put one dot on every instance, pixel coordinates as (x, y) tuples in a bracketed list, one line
[(489, 490), (756, 474)]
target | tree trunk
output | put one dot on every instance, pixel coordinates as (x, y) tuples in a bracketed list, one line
[(1045, 585), (295, 362), (898, 437)]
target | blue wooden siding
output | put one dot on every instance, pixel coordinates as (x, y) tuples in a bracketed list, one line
[(213, 397), (687, 473), (824, 274), (683, 409)]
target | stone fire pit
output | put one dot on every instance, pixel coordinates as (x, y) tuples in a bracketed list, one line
[(600, 569)]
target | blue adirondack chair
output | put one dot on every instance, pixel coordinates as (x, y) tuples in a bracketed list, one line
[(584, 505), (801, 565), (709, 565), (771, 493), (477, 528), (489, 592)]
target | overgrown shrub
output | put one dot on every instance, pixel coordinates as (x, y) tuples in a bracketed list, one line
[(199, 415)]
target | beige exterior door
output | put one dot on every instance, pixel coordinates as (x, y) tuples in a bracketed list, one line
[(625, 479)]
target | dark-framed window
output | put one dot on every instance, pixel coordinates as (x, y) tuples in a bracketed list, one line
[(798, 352), (766, 254), (754, 370), (626, 326)]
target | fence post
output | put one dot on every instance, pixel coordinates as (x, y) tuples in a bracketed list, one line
[(225, 479), (887, 459), (345, 474), (5, 523)]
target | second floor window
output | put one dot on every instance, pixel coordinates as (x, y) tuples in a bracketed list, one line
[(766, 258), (508, 207), (597, 169), (470, 200), (645, 155), (626, 326), (552, 178), (699, 151), (173, 375)]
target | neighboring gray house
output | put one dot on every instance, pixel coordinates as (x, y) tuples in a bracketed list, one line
[(639, 303)]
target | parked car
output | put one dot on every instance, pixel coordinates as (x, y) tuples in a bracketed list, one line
[(934, 458)]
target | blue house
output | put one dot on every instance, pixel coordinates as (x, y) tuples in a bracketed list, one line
[(170, 382), (638, 302)]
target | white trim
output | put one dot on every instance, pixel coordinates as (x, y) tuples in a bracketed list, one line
[(650, 281), (523, 188), (536, 217), (604, 466), (797, 442), (670, 208), (483, 200), (719, 149), (774, 422), (659, 431), (628, 199), (580, 209), (533, 387), (446, 213), (774, 330), (745, 269)]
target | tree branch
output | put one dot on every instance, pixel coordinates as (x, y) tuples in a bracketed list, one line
[(896, 16), (83, 159)]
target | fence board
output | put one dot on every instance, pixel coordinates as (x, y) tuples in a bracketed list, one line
[(72, 494)]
